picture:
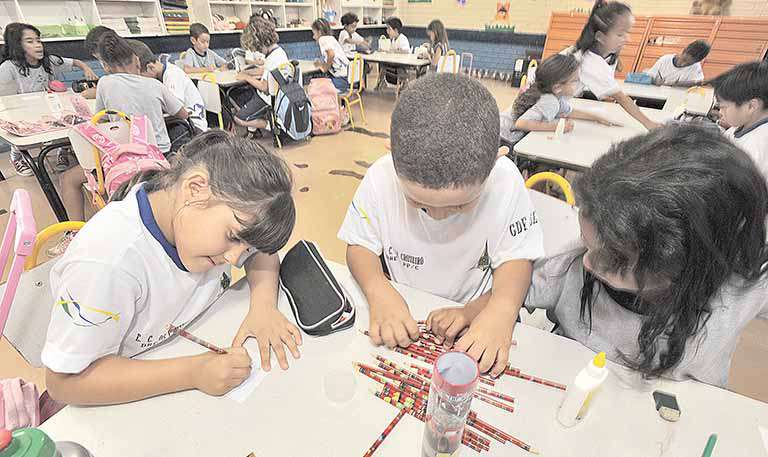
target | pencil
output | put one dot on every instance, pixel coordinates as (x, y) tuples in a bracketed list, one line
[(710, 447), (185, 334), (385, 433), (519, 374)]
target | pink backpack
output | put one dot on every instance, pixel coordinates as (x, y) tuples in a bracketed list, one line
[(326, 113), (120, 162), (19, 407)]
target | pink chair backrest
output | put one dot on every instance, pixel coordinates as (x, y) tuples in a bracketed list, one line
[(20, 231)]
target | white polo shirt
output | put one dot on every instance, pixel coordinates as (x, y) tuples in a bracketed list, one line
[(665, 69), (180, 85), (596, 75), (340, 62), (454, 257), (118, 286), (400, 43), (753, 140)]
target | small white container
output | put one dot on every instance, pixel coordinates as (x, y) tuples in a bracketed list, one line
[(581, 392)]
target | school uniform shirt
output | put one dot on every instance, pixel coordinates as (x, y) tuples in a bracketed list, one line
[(254, 55), (272, 61), (556, 287), (548, 109), (180, 85), (210, 58), (454, 257), (596, 75), (400, 43), (346, 40), (340, 62), (134, 94), (666, 70), (753, 140), (36, 79), (119, 285)]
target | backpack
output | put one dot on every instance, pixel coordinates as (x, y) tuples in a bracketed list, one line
[(293, 110), (326, 113), (120, 162)]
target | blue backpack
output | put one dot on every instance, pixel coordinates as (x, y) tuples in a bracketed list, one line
[(293, 109)]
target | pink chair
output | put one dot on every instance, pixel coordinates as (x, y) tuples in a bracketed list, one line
[(21, 231)]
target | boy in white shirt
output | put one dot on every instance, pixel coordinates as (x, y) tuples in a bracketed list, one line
[(176, 80), (681, 70), (399, 44), (446, 217), (334, 61), (742, 94), (349, 39)]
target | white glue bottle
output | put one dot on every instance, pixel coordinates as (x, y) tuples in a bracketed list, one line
[(580, 392)]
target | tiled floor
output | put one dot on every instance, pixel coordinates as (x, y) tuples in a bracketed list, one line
[(322, 198)]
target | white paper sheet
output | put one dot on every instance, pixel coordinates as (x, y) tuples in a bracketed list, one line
[(244, 390), (764, 433)]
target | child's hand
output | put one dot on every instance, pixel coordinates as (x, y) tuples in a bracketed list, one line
[(488, 340), (271, 329), (211, 67), (391, 322), (447, 323), (568, 126), (220, 373), (89, 74)]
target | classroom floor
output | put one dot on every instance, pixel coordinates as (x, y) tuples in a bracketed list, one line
[(326, 172)]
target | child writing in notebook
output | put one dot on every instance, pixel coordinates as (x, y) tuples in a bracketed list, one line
[(681, 70), (447, 217), (27, 67), (540, 107), (742, 94), (604, 35), (160, 255), (334, 61), (199, 58)]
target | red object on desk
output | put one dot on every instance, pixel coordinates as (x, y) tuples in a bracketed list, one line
[(57, 86)]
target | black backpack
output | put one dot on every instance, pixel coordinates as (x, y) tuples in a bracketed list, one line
[(293, 110)]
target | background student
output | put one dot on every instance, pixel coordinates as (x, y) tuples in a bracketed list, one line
[(199, 58), (681, 70), (334, 61)]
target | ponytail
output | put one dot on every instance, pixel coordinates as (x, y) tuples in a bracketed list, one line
[(601, 19)]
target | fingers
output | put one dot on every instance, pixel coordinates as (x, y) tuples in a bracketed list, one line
[(293, 330), (375, 334), (430, 317), (452, 331), (239, 357), (240, 373), (486, 359), (388, 336), (241, 336), (401, 334), (288, 340), (502, 359), (280, 353), (264, 352), (412, 328)]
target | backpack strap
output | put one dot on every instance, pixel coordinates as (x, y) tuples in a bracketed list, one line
[(139, 133), (97, 138), (278, 76)]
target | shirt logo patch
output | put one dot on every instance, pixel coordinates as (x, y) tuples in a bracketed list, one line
[(484, 262), (408, 261), (85, 316), (523, 224)]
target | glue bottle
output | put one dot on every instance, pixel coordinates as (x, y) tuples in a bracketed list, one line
[(33, 442), (581, 392)]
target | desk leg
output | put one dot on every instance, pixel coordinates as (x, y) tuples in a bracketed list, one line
[(38, 168)]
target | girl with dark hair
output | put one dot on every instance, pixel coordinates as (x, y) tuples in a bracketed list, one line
[(334, 62), (540, 107), (438, 41), (597, 49), (672, 264), (27, 67), (160, 253)]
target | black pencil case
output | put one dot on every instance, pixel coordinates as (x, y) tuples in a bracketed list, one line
[(318, 302)]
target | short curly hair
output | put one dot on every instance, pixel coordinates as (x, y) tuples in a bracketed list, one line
[(259, 34)]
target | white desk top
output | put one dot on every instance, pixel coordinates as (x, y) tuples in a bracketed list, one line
[(30, 107), (393, 58), (673, 96), (588, 140), (229, 78), (289, 415)]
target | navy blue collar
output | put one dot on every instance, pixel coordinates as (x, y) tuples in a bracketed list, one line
[(162, 74), (148, 219), (743, 130)]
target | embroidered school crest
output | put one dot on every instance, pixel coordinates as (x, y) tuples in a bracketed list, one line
[(484, 262), (85, 316)]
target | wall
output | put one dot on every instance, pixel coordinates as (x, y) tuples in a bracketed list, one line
[(532, 16)]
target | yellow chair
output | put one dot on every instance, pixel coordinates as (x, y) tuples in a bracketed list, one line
[(209, 91), (529, 74), (562, 183), (449, 63), (46, 234), (353, 96)]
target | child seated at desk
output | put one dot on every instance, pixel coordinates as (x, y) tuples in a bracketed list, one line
[(199, 58), (160, 254), (742, 94), (446, 217), (681, 70), (399, 44), (334, 61), (540, 107), (349, 39), (27, 67)]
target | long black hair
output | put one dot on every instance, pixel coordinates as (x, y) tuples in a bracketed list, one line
[(602, 19), (115, 50), (14, 51), (243, 175), (554, 70), (684, 210)]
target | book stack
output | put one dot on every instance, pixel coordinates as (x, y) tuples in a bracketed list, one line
[(176, 16), (117, 24)]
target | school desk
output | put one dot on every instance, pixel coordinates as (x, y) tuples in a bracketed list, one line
[(289, 414), (226, 79), (672, 97), (577, 150), (394, 59), (30, 107)]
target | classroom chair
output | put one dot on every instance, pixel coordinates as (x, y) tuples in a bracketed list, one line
[(530, 75), (466, 68), (449, 63), (21, 233), (354, 96), (209, 91), (554, 178)]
